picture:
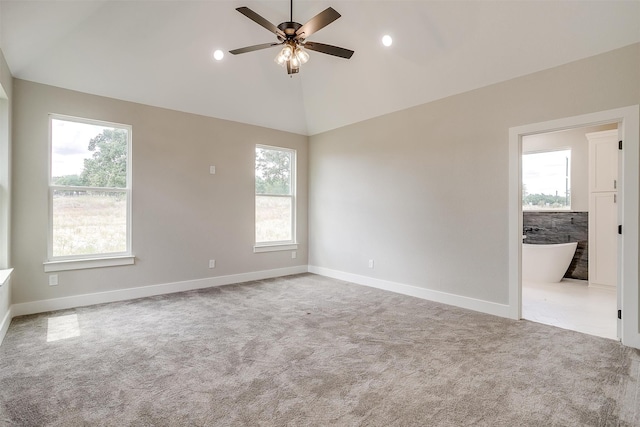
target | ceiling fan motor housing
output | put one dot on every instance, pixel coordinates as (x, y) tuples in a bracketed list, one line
[(289, 29)]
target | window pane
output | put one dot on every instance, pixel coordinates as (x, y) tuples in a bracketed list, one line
[(273, 171), (89, 222), (88, 155), (273, 219), (545, 180)]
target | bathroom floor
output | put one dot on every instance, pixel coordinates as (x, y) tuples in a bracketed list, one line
[(571, 304)]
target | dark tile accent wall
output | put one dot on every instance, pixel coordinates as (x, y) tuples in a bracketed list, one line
[(561, 227)]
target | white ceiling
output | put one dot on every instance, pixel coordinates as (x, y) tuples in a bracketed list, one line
[(160, 52)]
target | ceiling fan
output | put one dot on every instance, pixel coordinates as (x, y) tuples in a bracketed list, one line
[(293, 37)]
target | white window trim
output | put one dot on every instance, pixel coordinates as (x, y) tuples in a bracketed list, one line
[(5, 274), (81, 264), (285, 245), (274, 247), (77, 262), (5, 183)]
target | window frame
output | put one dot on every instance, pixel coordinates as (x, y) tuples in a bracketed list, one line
[(5, 188), (279, 245), (75, 262), (570, 195)]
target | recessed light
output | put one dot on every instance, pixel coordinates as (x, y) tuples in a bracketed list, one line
[(218, 55), (387, 40)]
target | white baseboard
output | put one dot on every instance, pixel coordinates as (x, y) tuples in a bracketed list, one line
[(42, 306), (603, 287), (4, 325), (482, 306)]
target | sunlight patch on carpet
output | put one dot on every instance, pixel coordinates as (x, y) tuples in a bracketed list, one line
[(62, 327)]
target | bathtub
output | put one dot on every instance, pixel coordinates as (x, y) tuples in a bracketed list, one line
[(546, 263)]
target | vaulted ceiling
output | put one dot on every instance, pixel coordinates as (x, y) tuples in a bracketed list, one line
[(160, 52)]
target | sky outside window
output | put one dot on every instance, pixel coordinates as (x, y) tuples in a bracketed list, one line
[(70, 146)]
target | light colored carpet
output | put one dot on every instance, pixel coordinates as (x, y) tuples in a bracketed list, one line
[(307, 350)]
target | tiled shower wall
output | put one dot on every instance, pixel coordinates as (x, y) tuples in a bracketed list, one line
[(561, 227)]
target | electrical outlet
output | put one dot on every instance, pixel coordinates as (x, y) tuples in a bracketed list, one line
[(212, 170), (370, 263), (212, 263), (53, 280), (294, 255)]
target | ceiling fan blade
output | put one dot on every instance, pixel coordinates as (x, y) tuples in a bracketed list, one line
[(260, 20), (252, 48), (329, 50), (318, 22)]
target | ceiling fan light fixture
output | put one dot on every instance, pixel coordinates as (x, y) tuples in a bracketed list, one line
[(292, 56), (302, 55), (291, 69), (287, 52), (280, 60)]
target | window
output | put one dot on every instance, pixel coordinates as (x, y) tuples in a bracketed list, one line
[(89, 192), (546, 180), (275, 198)]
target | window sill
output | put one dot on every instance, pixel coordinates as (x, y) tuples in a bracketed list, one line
[(4, 275), (81, 264), (275, 248), (549, 210)]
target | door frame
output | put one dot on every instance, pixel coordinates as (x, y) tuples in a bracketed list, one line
[(628, 120)]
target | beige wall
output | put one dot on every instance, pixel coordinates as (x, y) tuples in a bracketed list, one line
[(576, 140), (182, 215), (424, 191)]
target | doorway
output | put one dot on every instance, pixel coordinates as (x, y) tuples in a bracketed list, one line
[(557, 176), (628, 121)]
